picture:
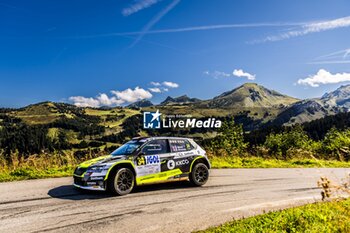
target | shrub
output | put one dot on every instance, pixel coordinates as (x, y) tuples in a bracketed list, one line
[(337, 143), (230, 139), (279, 144)]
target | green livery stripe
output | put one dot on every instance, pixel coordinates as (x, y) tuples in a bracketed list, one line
[(159, 177)]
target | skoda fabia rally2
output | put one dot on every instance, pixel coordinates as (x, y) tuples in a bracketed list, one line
[(143, 161)]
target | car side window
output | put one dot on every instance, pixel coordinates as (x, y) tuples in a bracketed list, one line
[(180, 145), (159, 146)]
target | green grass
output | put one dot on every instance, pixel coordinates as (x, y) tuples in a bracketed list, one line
[(32, 173), (112, 126), (48, 167), (257, 162), (319, 217), (40, 166)]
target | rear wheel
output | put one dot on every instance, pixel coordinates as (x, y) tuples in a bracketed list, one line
[(199, 175), (122, 182)]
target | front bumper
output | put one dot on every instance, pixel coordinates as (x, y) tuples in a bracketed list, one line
[(88, 184)]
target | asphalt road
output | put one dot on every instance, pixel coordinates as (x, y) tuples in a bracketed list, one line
[(53, 205)]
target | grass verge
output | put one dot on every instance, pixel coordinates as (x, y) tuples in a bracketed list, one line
[(33, 173), (48, 166), (319, 217), (40, 166), (258, 162)]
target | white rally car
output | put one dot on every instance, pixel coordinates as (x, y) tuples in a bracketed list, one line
[(142, 161)]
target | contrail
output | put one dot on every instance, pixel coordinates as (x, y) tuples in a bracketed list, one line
[(190, 29), (338, 54), (329, 62), (139, 6), (309, 28), (155, 20), (337, 57)]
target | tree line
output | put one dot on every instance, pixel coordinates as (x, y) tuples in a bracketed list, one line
[(324, 137)]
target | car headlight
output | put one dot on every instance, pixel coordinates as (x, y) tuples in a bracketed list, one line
[(97, 169)]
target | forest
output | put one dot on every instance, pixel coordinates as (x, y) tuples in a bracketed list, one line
[(328, 137)]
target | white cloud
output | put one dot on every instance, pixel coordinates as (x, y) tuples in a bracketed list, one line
[(81, 101), (217, 74), (138, 6), (155, 89), (131, 96), (237, 72), (156, 84), (119, 97), (308, 28), (159, 87), (170, 84), (241, 74), (100, 100), (104, 100), (324, 77)]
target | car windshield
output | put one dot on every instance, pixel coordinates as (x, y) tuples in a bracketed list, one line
[(127, 148)]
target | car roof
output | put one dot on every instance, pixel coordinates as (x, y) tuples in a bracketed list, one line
[(158, 137)]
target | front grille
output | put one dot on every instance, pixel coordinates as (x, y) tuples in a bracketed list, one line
[(79, 181), (80, 171)]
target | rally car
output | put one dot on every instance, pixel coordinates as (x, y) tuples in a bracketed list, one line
[(142, 161)]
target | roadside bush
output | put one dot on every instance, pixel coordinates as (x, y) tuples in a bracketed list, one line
[(337, 143), (279, 144), (230, 140)]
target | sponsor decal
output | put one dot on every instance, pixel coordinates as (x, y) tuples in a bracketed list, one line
[(91, 183), (184, 154), (171, 164), (150, 159), (160, 176), (96, 177), (152, 120), (147, 165), (182, 162)]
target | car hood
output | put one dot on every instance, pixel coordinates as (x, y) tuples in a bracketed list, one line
[(106, 159)]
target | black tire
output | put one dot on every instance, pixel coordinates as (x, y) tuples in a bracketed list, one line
[(199, 175), (121, 182)]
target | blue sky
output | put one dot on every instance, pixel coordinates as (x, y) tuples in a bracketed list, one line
[(97, 53)]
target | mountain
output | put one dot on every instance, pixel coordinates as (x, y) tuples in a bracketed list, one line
[(184, 99), (252, 105), (140, 104), (312, 109), (46, 112), (250, 95), (340, 98)]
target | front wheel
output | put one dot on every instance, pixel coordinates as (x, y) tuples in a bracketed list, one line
[(199, 175), (122, 182)]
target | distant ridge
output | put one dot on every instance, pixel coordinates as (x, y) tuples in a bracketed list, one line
[(184, 99), (250, 95), (140, 104), (311, 109)]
